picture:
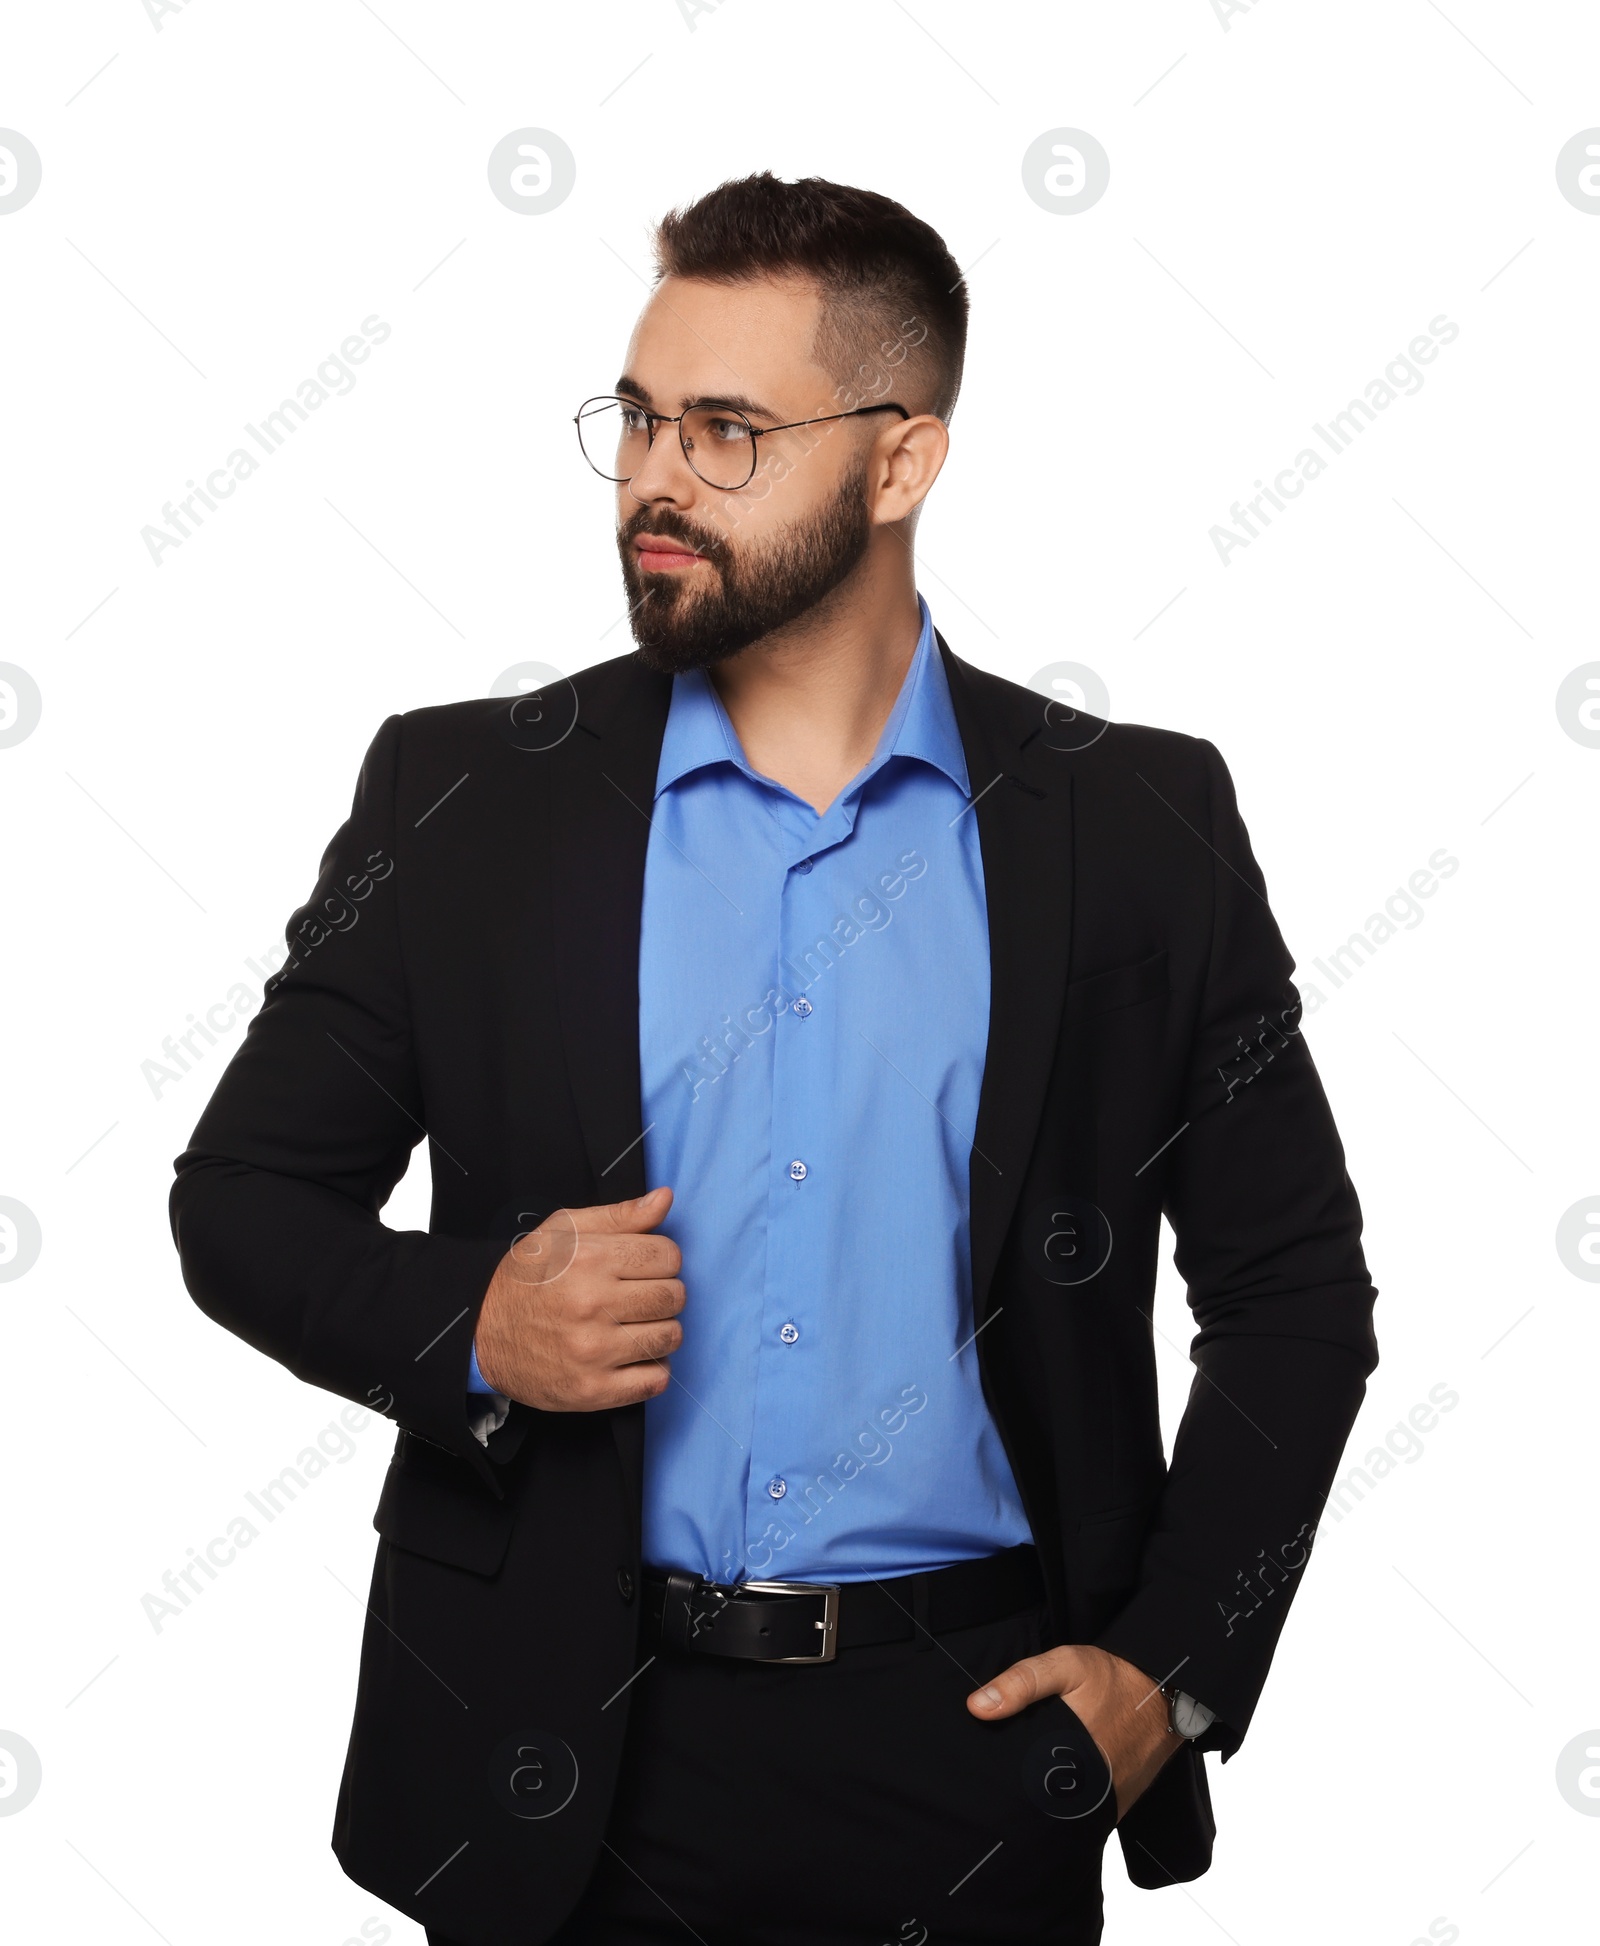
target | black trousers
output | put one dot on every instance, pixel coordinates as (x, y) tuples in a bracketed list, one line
[(853, 1803)]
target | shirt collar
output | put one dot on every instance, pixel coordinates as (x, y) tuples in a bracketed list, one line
[(922, 724)]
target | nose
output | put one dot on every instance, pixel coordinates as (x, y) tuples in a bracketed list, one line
[(665, 474)]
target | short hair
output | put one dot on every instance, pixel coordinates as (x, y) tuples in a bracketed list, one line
[(893, 296)]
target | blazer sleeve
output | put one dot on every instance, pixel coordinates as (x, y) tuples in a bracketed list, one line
[(275, 1210), (1268, 1233)]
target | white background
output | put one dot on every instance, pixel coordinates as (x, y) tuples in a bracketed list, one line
[(1289, 205)]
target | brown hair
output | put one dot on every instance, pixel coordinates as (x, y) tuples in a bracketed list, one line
[(894, 301)]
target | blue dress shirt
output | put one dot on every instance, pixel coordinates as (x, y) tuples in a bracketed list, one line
[(813, 1016)]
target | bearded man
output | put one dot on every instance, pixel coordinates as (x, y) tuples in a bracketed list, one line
[(810, 1031)]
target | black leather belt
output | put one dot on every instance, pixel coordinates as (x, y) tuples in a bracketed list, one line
[(810, 1621)]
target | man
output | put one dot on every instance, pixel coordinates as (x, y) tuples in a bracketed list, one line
[(785, 1552)]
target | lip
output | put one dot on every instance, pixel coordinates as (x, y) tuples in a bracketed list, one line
[(658, 553)]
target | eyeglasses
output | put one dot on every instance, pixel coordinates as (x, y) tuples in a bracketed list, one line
[(718, 441)]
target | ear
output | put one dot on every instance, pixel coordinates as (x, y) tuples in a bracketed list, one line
[(905, 464)]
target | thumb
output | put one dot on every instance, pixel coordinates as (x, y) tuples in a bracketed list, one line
[(1023, 1683), (635, 1215)]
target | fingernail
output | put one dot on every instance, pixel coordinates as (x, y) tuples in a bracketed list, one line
[(990, 1697)]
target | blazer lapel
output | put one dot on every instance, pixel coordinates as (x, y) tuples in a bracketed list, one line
[(1024, 813), (598, 833)]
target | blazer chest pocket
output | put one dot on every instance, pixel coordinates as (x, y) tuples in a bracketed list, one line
[(432, 1504), (1119, 986)]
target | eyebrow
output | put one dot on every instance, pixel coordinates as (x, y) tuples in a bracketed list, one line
[(737, 401)]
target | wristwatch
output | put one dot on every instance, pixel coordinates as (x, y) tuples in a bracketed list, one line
[(1186, 1717)]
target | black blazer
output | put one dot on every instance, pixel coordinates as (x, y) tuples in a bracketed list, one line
[(467, 969)]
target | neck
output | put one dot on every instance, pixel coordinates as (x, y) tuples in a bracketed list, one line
[(810, 701)]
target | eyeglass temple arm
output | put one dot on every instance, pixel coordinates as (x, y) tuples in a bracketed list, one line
[(887, 405)]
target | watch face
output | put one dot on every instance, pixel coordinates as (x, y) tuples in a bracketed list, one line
[(1187, 1717)]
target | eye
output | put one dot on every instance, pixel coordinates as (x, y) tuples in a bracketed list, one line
[(722, 431), (633, 419)]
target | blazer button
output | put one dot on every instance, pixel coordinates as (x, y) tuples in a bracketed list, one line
[(625, 1584)]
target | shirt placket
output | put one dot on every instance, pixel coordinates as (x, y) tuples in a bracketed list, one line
[(802, 1153)]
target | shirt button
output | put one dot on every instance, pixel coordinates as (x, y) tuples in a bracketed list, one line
[(789, 1333), (625, 1584), (804, 865), (777, 1488), (803, 1007), (798, 1172)]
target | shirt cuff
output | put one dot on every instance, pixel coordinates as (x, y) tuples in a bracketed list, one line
[(487, 1409)]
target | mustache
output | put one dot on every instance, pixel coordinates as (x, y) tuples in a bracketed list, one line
[(668, 527)]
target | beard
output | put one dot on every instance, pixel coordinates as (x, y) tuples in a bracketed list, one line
[(740, 594)]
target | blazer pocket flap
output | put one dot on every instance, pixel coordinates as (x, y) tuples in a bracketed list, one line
[(1120, 986), (427, 1515)]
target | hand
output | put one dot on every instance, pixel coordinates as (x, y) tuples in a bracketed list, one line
[(582, 1312), (1120, 1707)]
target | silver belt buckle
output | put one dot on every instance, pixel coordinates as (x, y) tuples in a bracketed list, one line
[(829, 1625)]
